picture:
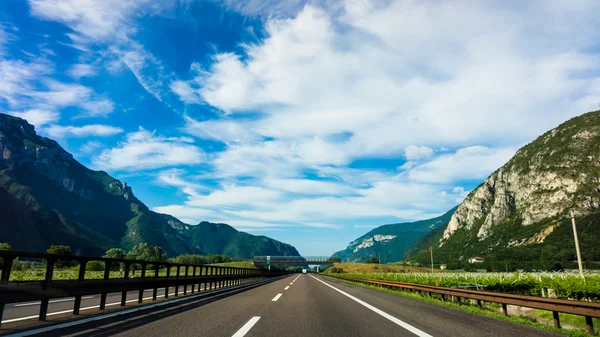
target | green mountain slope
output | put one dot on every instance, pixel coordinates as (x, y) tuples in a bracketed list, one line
[(519, 217), (47, 197), (391, 241)]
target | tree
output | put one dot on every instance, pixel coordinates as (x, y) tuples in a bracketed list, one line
[(61, 250), (373, 259), (115, 253), (335, 259), (144, 251), (95, 266), (189, 259)]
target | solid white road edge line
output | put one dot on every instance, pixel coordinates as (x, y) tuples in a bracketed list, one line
[(276, 297), (286, 288), (68, 311), (244, 330), (54, 301), (378, 311)]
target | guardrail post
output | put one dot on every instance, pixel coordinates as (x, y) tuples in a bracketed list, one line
[(187, 268), (221, 273), (155, 290), (8, 262), (479, 305), (556, 319), (167, 287), (47, 280), (143, 276), (80, 278), (194, 276), (4, 278), (504, 309), (177, 276), (125, 278), (107, 266), (590, 325)]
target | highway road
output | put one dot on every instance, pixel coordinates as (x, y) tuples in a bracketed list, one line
[(304, 305)]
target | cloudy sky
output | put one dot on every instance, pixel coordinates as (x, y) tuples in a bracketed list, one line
[(310, 122)]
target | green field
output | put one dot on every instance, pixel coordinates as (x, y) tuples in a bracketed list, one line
[(565, 285)]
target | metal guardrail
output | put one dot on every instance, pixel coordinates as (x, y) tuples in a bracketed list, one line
[(587, 309), (193, 274)]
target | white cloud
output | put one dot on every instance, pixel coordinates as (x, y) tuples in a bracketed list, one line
[(226, 131), (147, 69), (91, 147), (470, 163), (19, 79), (268, 8), (232, 195), (110, 24), (310, 187), (37, 117), (185, 92), (26, 86), (94, 20), (62, 95), (58, 131), (189, 215), (5, 38), (416, 83), (80, 70), (370, 80), (413, 152), (145, 150)]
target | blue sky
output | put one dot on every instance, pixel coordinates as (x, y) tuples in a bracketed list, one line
[(310, 122)]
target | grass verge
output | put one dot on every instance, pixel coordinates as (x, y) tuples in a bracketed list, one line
[(529, 321)]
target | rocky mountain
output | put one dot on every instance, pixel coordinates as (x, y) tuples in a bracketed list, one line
[(47, 197), (520, 215), (391, 241)]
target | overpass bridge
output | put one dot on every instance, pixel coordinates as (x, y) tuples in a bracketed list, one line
[(294, 260)]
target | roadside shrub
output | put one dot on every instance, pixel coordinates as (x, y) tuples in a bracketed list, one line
[(95, 266)]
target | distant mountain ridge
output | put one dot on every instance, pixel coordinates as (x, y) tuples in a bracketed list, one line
[(47, 197), (391, 241)]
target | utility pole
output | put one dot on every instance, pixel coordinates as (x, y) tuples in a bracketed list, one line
[(577, 246), (431, 250)]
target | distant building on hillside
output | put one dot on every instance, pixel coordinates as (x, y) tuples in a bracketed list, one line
[(476, 259), (443, 266)]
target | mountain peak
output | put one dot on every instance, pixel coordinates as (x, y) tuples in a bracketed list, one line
[(47, 197)]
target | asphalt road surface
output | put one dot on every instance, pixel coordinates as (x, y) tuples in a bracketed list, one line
[(305, 305)]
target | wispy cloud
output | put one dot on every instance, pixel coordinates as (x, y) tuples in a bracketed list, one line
[(5, 38), (58, 131), (146, 150), (36, 117), (80, 70), (27, 86)]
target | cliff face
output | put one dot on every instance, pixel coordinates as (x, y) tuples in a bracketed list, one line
[(554, 175), (522, 211), (47, 197)]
